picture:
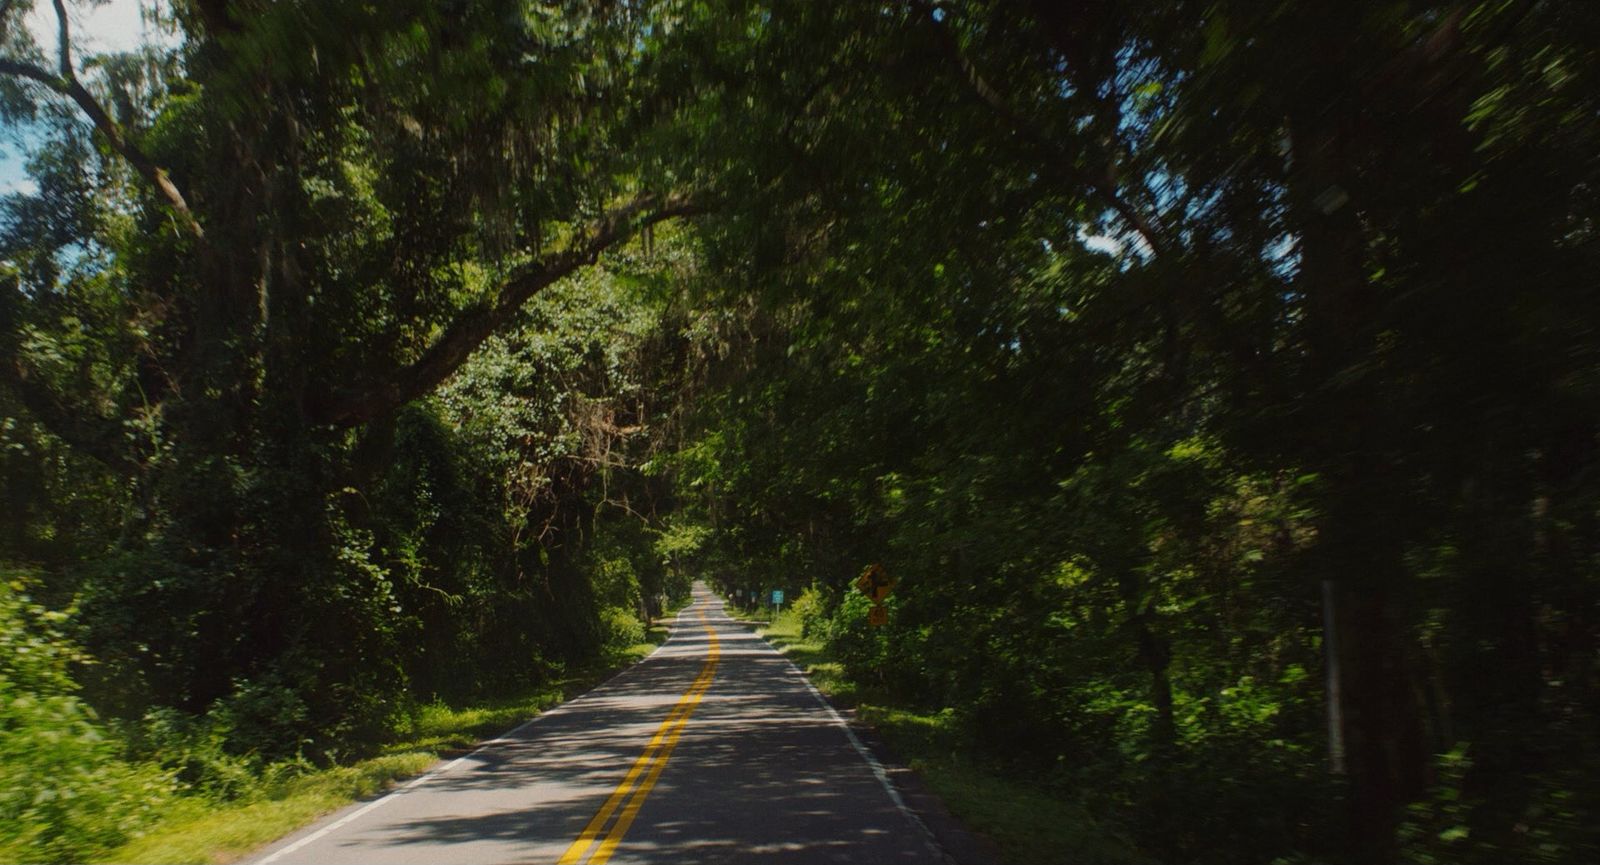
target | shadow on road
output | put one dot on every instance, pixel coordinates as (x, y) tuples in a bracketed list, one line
[(761, 774)]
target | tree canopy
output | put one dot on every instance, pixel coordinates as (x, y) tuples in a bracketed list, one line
[(1218, 379)]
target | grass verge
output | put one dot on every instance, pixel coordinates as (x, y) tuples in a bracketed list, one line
[(1028, 825), (197, 829)]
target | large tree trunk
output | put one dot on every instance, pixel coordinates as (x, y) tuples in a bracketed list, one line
[(1360, 541), (1385, 751)]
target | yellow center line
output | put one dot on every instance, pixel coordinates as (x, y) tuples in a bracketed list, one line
[(649, 765)]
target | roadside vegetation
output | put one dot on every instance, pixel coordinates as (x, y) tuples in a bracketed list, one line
[(1028, 823), (500, 552), (84, 791), (202, 827)]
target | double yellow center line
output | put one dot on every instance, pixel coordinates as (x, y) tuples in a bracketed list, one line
[(642, 776)]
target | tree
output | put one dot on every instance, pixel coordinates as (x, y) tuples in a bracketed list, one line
[(264, 244)]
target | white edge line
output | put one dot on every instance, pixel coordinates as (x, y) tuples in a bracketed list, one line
[(500, 739), (878, 771)]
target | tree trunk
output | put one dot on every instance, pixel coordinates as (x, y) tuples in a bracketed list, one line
[(1334, 677), (1155, 655), (1360, 547), (1385, 749)]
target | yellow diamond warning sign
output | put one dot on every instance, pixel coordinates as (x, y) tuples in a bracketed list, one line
[(875, 583)]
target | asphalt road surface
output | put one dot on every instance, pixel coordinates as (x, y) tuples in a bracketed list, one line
[(714, 749)]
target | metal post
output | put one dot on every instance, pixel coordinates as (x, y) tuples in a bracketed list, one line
[(1330, 652)]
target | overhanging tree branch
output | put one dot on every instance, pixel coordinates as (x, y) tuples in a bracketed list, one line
[(63, 41), (479, 322), (65, 82)]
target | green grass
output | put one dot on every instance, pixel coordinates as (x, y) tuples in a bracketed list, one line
[(811, 655), (1028, 824), (196, 829)]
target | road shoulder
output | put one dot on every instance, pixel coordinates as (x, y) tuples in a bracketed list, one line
[(955, 843)]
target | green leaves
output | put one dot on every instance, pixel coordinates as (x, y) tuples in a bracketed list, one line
[(1112, 334), (65, 794)]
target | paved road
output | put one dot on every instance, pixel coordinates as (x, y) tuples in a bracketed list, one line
[(714, 749)]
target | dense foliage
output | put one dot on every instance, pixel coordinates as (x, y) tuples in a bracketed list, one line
[(67, 793), (246, 266), (1218, 379)]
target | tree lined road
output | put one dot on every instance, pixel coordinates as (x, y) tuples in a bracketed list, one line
[(714, 749)]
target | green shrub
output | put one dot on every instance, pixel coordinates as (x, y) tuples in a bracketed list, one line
[(860, 647), (811, 611), (620, 628), (1556, 821), (65, 793), (264, 718), (195, 751)]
